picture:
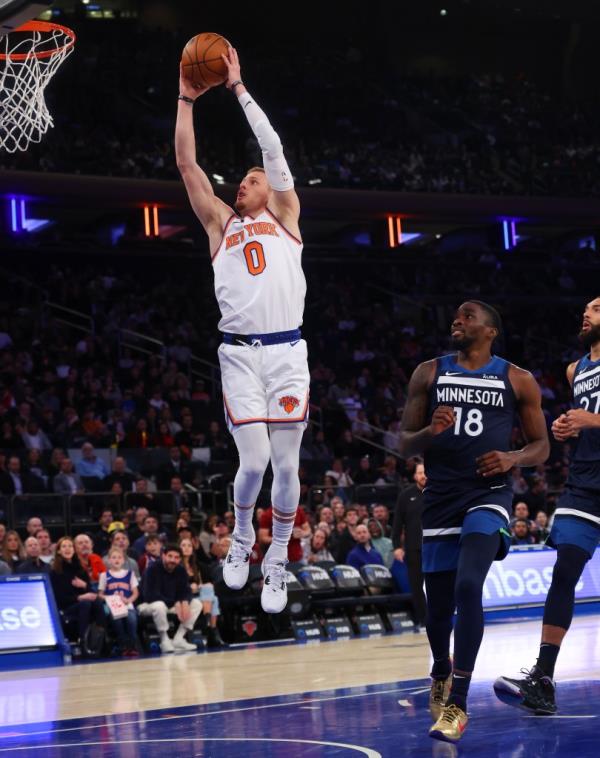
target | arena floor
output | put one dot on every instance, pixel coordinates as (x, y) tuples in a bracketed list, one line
[(359, 697)]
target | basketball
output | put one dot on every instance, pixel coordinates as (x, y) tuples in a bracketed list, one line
[(201, 59)]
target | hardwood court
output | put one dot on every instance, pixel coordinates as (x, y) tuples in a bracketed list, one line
[(359, 697)]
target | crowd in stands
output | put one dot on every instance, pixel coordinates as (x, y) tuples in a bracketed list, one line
[(485, 133), (81, 414)]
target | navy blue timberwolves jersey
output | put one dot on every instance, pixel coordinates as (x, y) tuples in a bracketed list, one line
[(584, 470), (484, 406)]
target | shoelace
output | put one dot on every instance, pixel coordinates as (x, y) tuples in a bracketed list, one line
[(450, 713), (238, 552), (530, 674), (276, 572)]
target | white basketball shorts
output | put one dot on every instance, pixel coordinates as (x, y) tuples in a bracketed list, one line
[(268, 384)]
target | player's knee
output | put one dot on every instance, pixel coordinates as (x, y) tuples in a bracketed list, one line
[(254, 466), (570, 562), (565, 574), (285, 472), (467, 589)]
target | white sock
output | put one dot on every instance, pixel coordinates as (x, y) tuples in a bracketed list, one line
[(243, 522), (283, 524)]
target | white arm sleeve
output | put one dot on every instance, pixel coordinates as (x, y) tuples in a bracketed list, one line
[(276, 167)]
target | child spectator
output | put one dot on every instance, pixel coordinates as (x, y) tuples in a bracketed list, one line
[(151, 553), (120, 538), (121, 580)]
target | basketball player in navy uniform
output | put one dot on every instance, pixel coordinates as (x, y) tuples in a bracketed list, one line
[(460, 412), (256, 254), (576, 528)]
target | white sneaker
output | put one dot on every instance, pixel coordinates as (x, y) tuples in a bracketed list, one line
[(166, 646), (237, 564), (273, 597), (183, 644)]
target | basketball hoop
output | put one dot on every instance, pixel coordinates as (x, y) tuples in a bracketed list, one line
[(29, 57)]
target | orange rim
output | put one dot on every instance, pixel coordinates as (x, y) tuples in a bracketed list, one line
[(41, 26)]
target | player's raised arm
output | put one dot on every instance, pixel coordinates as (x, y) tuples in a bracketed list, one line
[(211, 210), (286, 204), (533, 424), (416, 434)]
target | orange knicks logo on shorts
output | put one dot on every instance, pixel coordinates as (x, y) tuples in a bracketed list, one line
[(288, 403)]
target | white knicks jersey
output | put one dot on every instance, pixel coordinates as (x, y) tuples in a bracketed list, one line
[(259, 282)]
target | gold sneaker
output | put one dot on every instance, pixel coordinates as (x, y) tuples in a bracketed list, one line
[(450, 725), (440, 689)]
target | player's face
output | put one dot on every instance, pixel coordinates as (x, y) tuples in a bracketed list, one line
[(590, 328), (469, 326), (253, 193)]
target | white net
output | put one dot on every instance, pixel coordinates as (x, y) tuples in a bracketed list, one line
[(29, 57)]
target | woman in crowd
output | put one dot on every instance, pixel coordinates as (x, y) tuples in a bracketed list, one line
[(13, 551), (207, 535), (205, 591), (164, 438), (72, 590), (315, 548)]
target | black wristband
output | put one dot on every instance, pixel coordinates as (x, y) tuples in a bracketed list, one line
[(235, 84), (186, 99)]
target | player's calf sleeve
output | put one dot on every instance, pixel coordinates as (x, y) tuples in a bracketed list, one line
[(253, 448), (560, 602), (285, 496), (439, 587), (477, 553)]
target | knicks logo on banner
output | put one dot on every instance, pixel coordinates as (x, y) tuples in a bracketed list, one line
[(289, 403)]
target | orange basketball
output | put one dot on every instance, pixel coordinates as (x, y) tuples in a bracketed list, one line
[(201, 59)]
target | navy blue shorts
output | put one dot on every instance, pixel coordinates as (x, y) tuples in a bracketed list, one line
[(441, 550), (576, 520), (573, 530), (448, 516)]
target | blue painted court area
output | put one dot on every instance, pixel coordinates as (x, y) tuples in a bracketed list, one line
[(376, 721)]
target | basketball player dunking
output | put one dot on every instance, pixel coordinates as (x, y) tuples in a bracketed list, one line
[(576, 528), (260, 287), (460, 411)]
